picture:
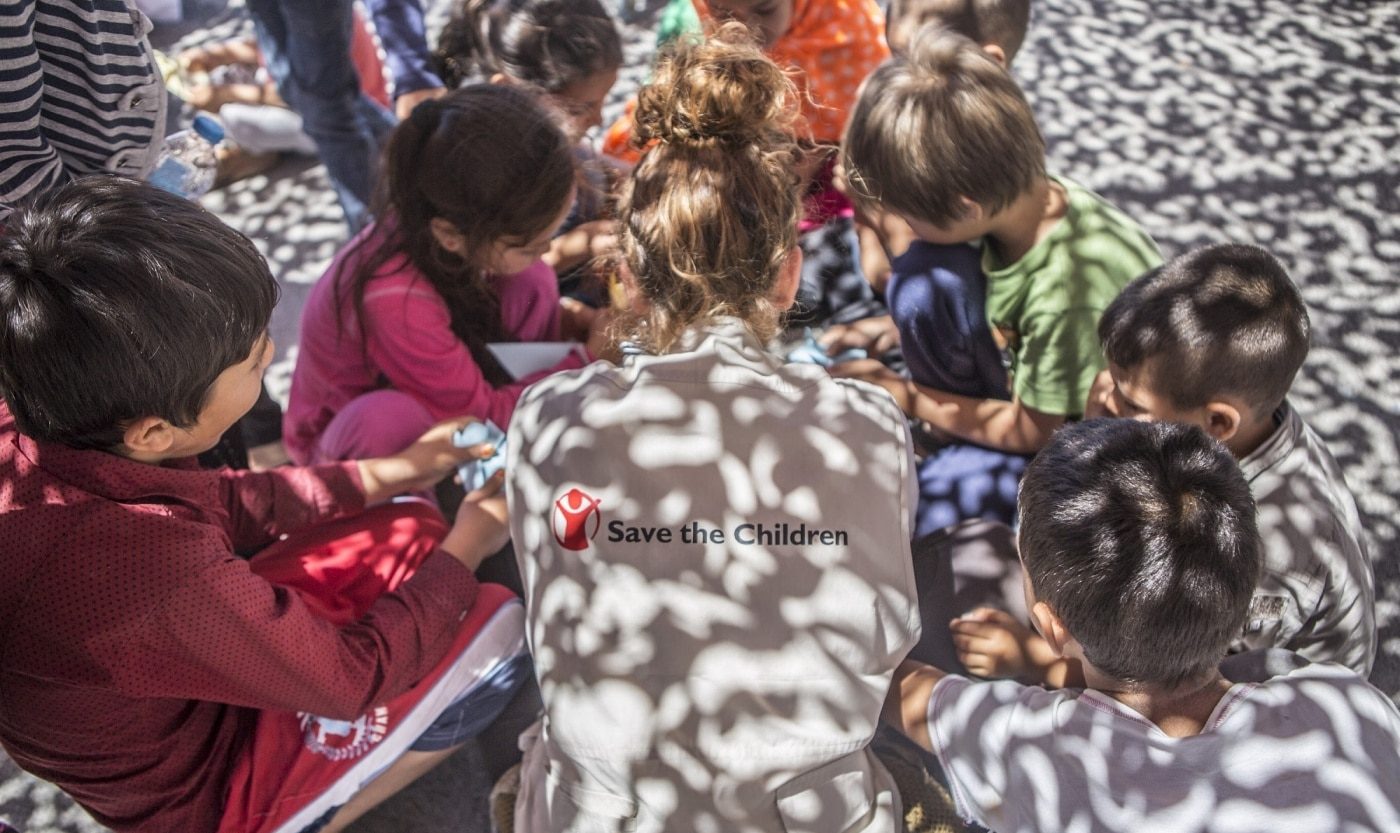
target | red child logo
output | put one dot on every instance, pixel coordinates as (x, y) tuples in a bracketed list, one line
[(576, 519)]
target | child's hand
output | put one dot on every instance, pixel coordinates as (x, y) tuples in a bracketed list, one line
[(420, 466), (482, 524), (872, 371), (1100, 403), (873, 335), (992, 643), (575, 319)]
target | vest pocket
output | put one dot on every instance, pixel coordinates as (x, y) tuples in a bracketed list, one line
[(843, 796), (589, 810)]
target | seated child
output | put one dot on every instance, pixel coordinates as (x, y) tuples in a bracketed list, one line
[(1141, 556), (944, 138), (999, 27), (394, 337), (568, 50), (150, 671), (1215, 339)]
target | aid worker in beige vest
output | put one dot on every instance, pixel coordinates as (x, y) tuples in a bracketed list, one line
[(714, 544)]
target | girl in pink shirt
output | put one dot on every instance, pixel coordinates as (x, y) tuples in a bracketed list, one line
[(393, 337)]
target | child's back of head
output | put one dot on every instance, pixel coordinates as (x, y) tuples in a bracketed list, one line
[(938, 126), (998, 23), (120, 301), (547, 44), (1141, 538), (1222, 321)]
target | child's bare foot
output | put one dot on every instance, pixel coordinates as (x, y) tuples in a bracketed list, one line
[(993, 643)]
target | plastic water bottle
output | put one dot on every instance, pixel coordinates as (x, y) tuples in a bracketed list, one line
[(188, 163)]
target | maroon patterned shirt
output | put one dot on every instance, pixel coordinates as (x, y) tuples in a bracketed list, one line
[(136, 648)]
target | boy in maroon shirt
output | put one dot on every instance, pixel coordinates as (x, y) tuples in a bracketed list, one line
[(156, 676)]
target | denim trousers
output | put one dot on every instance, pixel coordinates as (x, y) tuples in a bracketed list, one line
[(306, 44)]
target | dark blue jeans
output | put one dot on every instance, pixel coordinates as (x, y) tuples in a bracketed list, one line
[(306, 44)]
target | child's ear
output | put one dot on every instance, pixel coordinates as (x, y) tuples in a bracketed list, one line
[(972, 210), (148, 438), (1222, 420), (500, 78), (1048, 623), (996, 53), (784, 292), (448, 236)]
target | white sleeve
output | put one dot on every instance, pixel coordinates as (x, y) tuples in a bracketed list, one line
[(972, 725)]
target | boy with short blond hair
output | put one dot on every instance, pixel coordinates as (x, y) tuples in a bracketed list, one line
[(944, 138)]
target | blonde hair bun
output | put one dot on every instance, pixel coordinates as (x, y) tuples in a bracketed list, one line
[(723, 90)]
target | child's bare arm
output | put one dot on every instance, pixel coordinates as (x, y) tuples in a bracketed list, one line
[(994, 644), (594, 239), (906, 705), (995, 423), (431, 458), (874, 335)]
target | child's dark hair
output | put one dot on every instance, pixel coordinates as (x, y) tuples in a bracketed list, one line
[(709, 216), (999, 22), (120, 301), (548, 44), (493, 163), (1141, 537), (940, 123), (1219, 320)]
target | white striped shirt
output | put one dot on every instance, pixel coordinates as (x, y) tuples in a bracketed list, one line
[(79, 94)]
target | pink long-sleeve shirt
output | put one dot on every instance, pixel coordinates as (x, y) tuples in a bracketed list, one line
[(407, 344)]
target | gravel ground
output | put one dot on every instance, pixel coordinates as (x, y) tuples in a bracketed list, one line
[(1268, 121)]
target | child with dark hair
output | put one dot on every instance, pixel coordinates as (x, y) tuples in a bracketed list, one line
[(394, 337), (998, 26), (943, 138), (570, 52), (150, 671), (1214, 339), (1141, 557)]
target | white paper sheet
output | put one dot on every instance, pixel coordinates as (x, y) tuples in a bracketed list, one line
[(522, 358)]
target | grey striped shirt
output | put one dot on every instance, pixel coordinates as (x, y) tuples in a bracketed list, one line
[(79, 93)]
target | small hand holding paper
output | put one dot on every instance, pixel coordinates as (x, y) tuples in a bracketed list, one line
[(811, 352), (475, 473)]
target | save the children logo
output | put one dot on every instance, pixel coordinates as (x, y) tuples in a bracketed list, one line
[(342, 739), (576, 519)]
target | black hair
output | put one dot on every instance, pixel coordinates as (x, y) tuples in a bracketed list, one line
[(548, 44), (999, 22), (1141, 537), (120, 301), (1224, 319), (490, 160)]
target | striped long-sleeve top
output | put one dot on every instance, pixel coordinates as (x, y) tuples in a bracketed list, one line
[(79, 93)]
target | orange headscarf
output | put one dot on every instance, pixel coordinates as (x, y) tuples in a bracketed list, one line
[(833, 45)]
